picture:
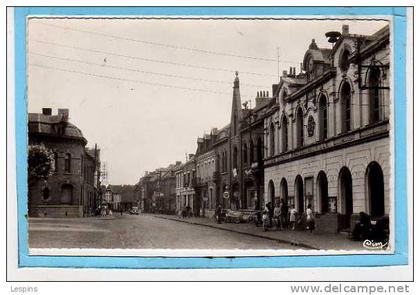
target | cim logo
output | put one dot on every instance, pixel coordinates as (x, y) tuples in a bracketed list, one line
[(372, 245)]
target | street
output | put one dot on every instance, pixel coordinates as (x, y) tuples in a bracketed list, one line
[(138, 232)]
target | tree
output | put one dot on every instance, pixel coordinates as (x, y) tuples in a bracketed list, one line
[(40, 163)]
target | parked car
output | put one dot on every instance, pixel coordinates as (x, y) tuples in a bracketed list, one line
[(234, 216), (134, 211)]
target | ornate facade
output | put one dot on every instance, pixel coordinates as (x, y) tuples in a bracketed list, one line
[(328, 136)]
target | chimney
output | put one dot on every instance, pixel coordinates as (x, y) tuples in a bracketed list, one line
[(47, 111), (301, 68), (146, 173), (64, 114), (345, 30), (290, 71), (190, 156), (178, 163), (284, 73)]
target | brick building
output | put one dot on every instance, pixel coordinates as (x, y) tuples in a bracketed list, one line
[(72, 189), (185, 176), (328, 137), (206, 166)]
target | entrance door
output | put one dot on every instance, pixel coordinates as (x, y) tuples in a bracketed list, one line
[(272, 193), (375, 182), (346, 196), (66, 194), (323, 192), (299, 194)]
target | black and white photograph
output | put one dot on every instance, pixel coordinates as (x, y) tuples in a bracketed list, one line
[(210, 136)]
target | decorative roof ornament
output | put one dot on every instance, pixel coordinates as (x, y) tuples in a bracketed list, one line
[(236, 82), (313, 45)]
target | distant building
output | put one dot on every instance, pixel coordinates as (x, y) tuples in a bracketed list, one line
[(156, 191), (72, 190), (127, 197), (206, 165), (185, 187)]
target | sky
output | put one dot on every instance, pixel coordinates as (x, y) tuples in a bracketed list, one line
[(144, 90)]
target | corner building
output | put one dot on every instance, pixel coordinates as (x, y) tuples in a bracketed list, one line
[(72, 189), (327, 143)]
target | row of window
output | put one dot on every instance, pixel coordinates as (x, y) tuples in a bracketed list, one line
[(346, 109), (67, 162)]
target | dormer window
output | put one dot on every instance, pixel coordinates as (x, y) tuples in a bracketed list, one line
[(344, 60), (310, 65)]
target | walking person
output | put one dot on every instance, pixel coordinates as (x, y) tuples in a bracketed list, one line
[(219, 214), (283, 213), (265, 219), (310, 220), (293, 215)]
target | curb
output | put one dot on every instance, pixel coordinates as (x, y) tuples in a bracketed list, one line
[(293, 243)]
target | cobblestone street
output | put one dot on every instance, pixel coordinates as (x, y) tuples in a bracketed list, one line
[(138, 232)]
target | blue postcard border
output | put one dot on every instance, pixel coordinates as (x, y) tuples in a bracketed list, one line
[(400, 256)]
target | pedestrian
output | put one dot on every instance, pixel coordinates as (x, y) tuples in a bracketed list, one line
[(310, 220), (265, 219), (293, 214), (121, 211), (276, 216), (219, 214), (283, 214)]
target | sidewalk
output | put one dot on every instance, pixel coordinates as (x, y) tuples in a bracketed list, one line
[(303, 239)]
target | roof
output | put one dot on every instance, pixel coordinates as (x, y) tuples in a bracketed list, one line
[(53, 125)]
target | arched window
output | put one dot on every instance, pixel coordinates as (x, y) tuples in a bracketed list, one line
[(344, 60), (345, 190), (346, 107), (251, 152), (45, 193), (271, 192), (322, 192), (374, 94), (260, 151), (283, 190), (299, 194), (284, 134), (272, 139), (323, 118), (299, 128), (375, 190), (245, 153), (67, 162)]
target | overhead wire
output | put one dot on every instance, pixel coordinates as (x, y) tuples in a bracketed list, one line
[(146, 59), (154, 43), (127, 80), (107, 65)]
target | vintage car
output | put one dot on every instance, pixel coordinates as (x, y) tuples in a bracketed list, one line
[(134, 211), (234, 216)]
